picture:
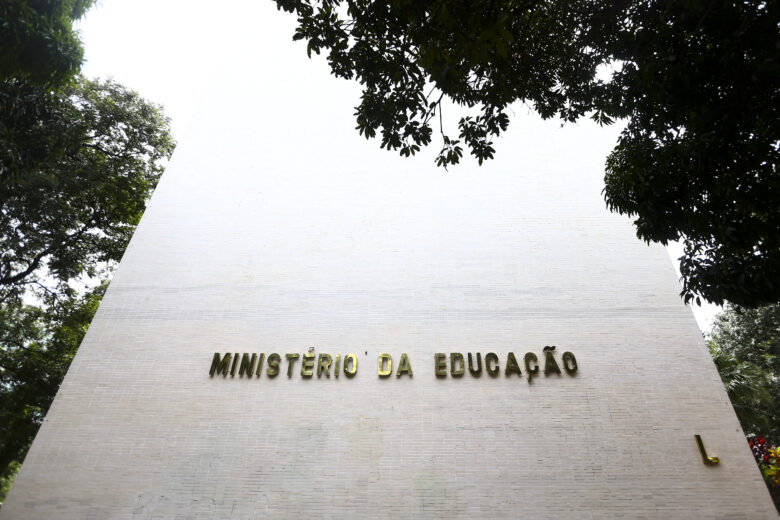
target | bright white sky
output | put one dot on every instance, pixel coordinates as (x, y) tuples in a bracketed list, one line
[(175, 53)]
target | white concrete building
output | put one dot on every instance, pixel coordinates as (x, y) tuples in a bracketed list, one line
[(277, 229)]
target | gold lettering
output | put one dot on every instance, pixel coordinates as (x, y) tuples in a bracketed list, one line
[(273, 365), (233, 368), (440, 364), (569, 363), (456, 360), (511, 365), (260, 364), (492, 371), (247, 366), (220, 366), (291, 358), (550, 365), (478, 371), (529, 358), (384, 360), (336, 365), (350, 371), (307, 365), (404, 367), (323, 363)]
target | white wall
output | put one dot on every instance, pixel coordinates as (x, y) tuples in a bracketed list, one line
[(276, 228)]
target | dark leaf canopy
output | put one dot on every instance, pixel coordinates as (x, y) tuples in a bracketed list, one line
[(78, 161), (37, 345), (696, 82), (38, 42), (77, 166), (76, 169), (409, 55), (698, 159), (745, 344)]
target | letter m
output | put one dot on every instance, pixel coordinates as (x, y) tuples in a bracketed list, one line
[(220, 366)]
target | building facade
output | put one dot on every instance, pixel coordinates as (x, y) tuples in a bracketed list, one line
[(270, 238)]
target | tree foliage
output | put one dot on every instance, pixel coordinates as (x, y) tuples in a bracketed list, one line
[(78, 161), (37, 344), (77, 166), (745, 344), (698, 158), (696, 82), (38, 42)]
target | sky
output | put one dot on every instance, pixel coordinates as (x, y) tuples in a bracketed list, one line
[(180, 54)]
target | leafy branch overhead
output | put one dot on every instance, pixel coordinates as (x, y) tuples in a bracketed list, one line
[(697, 83), (410, 55), (76, 169)]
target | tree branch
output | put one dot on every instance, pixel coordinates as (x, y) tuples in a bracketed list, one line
[(36, 262)]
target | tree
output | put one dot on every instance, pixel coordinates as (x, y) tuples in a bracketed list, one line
[(85, 163), (696, 82), (78, 166), (38, 42), (37, 345), (78, 161), (745, 344)]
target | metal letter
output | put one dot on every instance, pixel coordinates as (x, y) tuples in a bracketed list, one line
[(381, 371), (478, 371), (440, 364), (529, 357), (233, 368), (350, 372), (492, 372), (710, 461), (511, 365), (220, 366), (550, 365), (336, 365), (404, 367), (456, 358), (247, 366), (260, 364), (307, 364), (291, 358), (323, 363), (569, 363), (273, 365)]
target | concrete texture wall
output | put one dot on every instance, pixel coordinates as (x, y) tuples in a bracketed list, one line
[(277, 232)]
